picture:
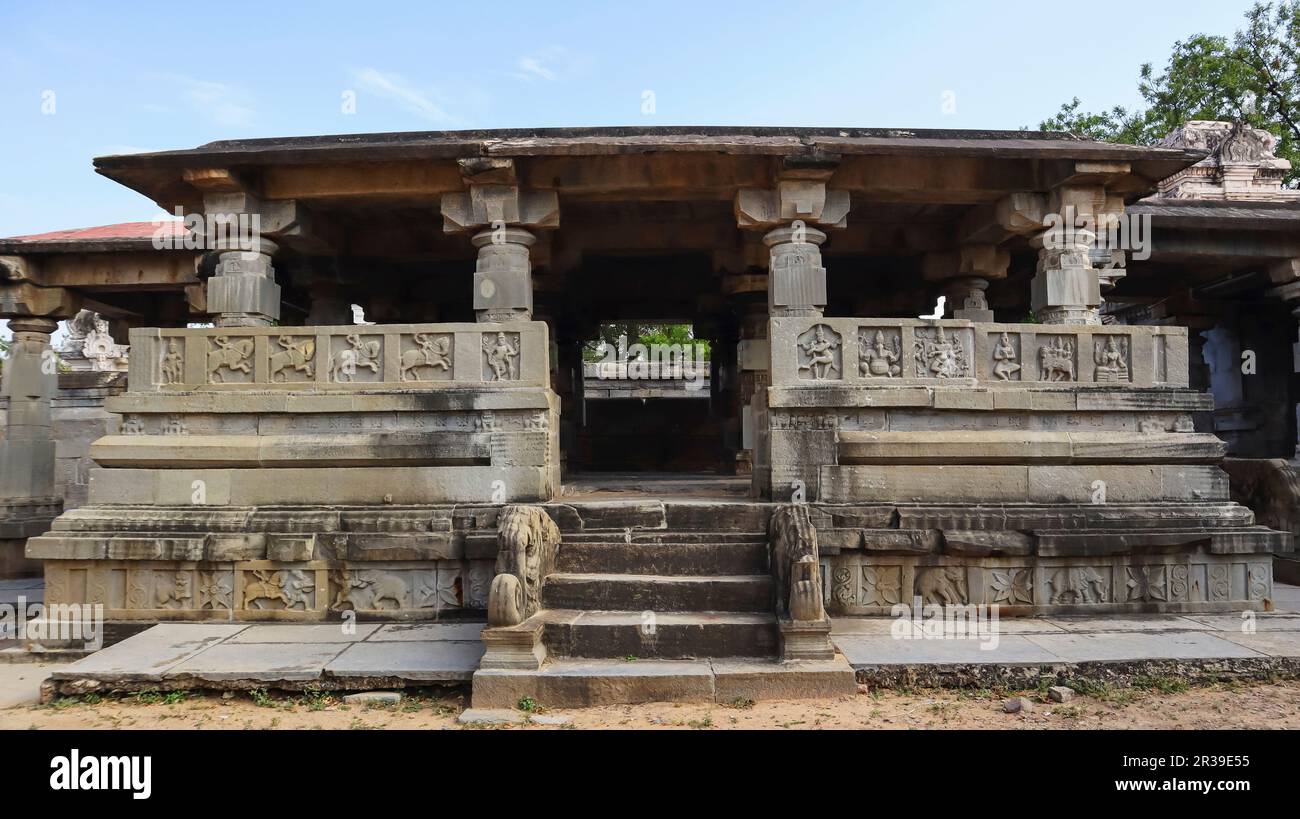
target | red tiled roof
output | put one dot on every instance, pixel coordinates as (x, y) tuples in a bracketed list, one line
[(125, 230)]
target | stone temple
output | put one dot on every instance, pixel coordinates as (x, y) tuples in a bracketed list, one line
[(1051, 444)]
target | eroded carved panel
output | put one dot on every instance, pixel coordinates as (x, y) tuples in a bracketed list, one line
[(501, 356), (230, 360), (1057, 358), (820, 354), (1006, 365), (426, 357), (880, 353), (1075, 585), (356, 357), (940, 354), (290, 359), (1111, 356)]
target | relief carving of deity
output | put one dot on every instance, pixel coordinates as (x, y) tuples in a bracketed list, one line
[(881, 360), (1056, 360), (1005, 360), (1111, 358), (938, 356), (173, 364), (501, 357), (820, 353)]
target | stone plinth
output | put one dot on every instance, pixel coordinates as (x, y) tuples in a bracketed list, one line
[(1041, 467), (296, 473)]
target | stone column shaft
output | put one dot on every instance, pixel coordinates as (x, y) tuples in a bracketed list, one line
[(243, 292), (1066, 290), (30, 380), (503, 275), (796, 278)]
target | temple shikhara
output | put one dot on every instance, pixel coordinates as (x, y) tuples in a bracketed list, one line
[(357, 380)]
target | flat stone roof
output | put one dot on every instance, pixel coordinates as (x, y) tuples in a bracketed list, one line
[(613, 140)]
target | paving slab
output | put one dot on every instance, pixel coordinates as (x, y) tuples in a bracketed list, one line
[(259, 662), (149, 655), (1286, 598), (1129, 646), (1261, 622), (1270, 643), (20, 684), (1151, 622), (305, 633), (432, 661), (884, 626), (1012, 649), (425, 632)]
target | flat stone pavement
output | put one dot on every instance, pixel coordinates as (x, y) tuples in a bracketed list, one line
[(20, 683), (221, 655), (244, 656), (884, 650)]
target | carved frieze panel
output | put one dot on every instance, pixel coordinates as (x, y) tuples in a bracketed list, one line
[(1111, 357), (942, 585), (400, 589), (880, 585), (291, 359), (1147, 583), (356, 357), (1010, 586), (276, 589), (1057, 357), (880, 353), (230, 359), (1078, 585), (171, 362), (1006, 363), (820, 354), (501, 352), (941, 353), (426, 357)]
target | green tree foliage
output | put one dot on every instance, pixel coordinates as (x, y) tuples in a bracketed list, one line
[(637, 333), (1254, 76)]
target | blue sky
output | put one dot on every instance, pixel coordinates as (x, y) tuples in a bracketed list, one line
[(138, 76)]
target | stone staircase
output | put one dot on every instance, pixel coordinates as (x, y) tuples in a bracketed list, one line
[(633, 615)]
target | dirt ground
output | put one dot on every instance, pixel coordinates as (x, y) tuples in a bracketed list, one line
[(1161, 704)]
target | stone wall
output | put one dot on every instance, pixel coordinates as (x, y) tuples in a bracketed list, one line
[(1048, 468), (295, 473)]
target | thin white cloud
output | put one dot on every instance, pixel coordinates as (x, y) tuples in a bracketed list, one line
[(551, 64), (223, 104), (394, 88)]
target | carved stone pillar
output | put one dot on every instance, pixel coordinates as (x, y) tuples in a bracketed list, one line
[(28, 499), (1065, 288), (796, 278), (787, 214), (243, 292), (30, 379), (503, 275), (500, 216)]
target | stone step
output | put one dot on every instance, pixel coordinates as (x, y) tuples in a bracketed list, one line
[(663, 558), (660, 536), (668, 635), (580, 683), (641, 592)]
